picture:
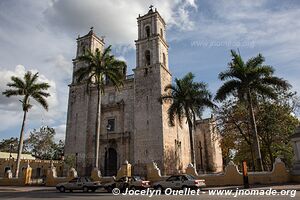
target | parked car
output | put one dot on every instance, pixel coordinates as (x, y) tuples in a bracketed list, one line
[(179, 182), (134, 182), (80, 183)]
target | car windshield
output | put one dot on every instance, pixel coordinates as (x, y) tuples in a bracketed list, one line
[(190, 177), (87, 179)]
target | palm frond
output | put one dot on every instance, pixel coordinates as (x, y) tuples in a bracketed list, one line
[(226, 89), (41, 100)]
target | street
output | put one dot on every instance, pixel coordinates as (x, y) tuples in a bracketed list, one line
[(52, 194)]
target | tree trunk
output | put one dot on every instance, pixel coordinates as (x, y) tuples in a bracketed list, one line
[(192, 143), (20, 147), (271, 156), (98, 127), (251, 148), (259, 165)]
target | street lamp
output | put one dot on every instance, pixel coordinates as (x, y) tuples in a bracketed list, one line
[(108, 128), (201, 158), (10, 150), (76, 158)]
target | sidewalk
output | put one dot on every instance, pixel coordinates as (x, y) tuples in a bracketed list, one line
[(289, 186)]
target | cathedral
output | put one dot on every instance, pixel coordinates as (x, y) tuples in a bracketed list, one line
[(134, 124)]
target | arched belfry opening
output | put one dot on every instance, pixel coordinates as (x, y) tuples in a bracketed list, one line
[(147, 57), (147, 31)]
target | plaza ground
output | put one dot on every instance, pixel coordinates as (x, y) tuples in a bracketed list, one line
[(25, 193)]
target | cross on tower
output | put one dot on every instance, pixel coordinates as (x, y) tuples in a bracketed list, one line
[(151, 7)]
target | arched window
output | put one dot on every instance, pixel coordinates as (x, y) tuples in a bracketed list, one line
[(147, 30), (147, 57), (161, 33), (164, 59)]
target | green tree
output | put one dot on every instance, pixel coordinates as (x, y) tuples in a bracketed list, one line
[(188, 100), (246, 80), (41, 143), (9, 145), (275, 125), (28, 88), (101, 68), (233, 124), (58, 151)]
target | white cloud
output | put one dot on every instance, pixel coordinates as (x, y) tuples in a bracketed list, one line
[(11, 110), (60, 132), (115, 19)]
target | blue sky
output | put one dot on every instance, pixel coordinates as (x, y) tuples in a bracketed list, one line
[(40, 36)]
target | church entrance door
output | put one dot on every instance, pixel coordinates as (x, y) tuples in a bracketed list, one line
[(111, 161)]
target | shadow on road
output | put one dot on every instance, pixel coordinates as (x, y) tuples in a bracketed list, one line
[(50, 194)]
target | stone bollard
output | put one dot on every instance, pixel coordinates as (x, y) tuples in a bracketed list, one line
[(51, 176), (125, 170), (191, 170), (26, 179), (72, 174), (153, 172), (96, 174)]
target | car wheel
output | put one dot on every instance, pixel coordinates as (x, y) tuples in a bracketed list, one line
[(160, 188), (85, 189), (71, 190), (184, 188), (62, 189), (109, 189), (93, 190)]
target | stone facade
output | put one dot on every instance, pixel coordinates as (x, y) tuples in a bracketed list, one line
[(139, 130), (207, 146), (295, 140)]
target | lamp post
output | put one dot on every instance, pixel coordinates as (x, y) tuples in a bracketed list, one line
[(76, 158), (201, 159), (108, 128), (10, 150)]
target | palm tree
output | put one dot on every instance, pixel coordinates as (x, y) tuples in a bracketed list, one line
[(29, 87), (246, 81), (188, 100), (101, 68)]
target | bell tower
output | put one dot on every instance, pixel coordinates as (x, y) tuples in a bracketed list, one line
[(80, 140), (151, 46), (151, 76)]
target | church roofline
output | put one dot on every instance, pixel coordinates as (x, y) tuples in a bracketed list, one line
[(149, 14), (91, 34)]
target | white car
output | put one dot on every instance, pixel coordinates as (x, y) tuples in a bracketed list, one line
[(180, 182), (80, 183), (133, 183)]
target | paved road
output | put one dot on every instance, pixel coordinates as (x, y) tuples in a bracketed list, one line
[(52, 194)]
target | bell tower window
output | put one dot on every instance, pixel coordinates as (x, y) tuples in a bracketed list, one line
[(147, 57), (164, 59), (147, 30), (161, 33)]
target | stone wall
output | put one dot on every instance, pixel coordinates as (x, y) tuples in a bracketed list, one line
[(39, 167), (232, 176)]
